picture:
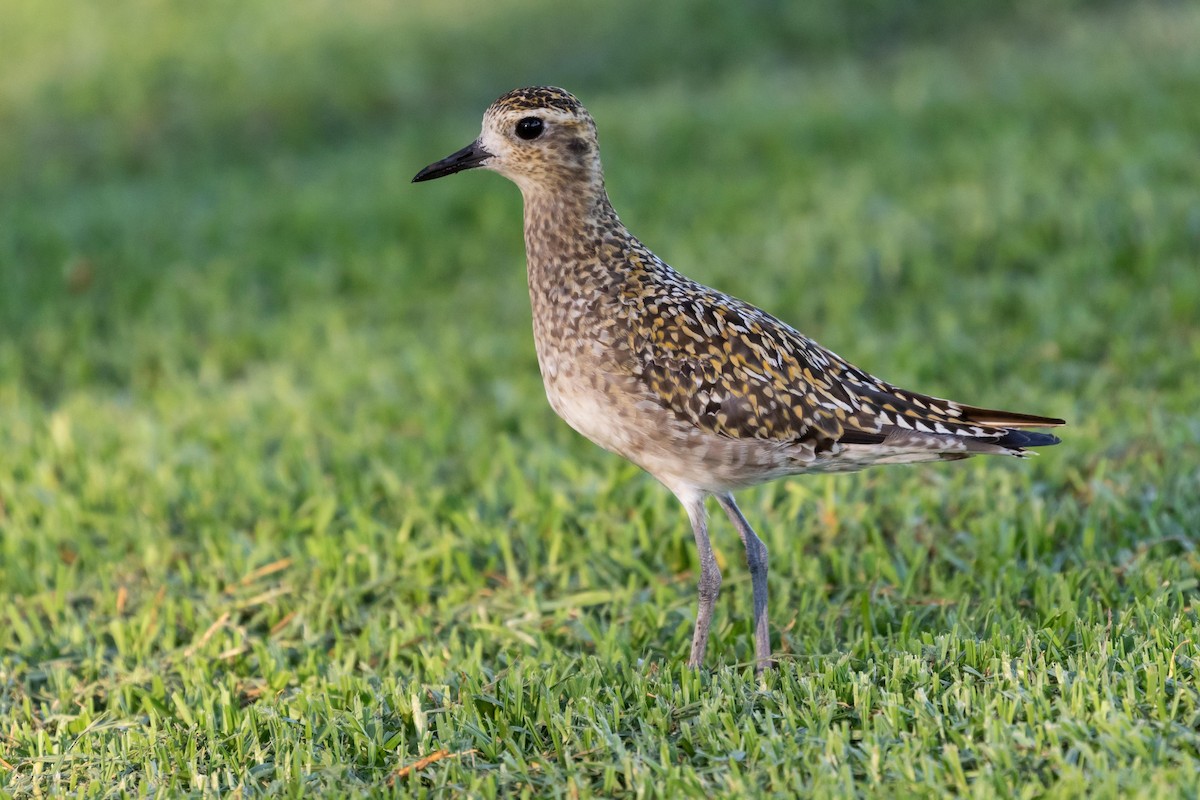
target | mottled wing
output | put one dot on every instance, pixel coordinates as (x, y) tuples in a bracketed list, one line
[(736, 371)]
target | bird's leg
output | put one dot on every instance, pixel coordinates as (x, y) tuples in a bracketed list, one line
[(710, 575), (756, 558)]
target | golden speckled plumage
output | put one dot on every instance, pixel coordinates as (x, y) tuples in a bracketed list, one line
[(704, 391)]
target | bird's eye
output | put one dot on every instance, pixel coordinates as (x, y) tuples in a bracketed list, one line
[(530, 128)]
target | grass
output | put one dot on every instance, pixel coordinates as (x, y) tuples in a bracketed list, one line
[(283, 511)]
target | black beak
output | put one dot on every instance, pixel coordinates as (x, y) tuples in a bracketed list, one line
[(469, 157)]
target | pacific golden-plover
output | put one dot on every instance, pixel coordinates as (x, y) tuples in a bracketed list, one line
[(703, 391)]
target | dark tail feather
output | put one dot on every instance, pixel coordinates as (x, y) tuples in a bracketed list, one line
[(1010, 419), (1012, 439), (1015, 438)]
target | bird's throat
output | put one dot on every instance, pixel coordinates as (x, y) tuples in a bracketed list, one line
[(566, 234)]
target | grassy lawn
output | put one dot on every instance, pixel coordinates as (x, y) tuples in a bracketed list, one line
[(283, 509)]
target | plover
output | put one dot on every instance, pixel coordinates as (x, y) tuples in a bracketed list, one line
[(705, 392)]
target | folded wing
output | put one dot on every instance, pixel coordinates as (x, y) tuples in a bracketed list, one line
[(736, 371)]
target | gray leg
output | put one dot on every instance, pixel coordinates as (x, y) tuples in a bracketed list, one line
[(756, 558), (710, 575)]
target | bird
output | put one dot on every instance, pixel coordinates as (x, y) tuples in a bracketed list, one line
[(706, 393)]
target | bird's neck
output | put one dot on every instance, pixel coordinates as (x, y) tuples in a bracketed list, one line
[(567, 233)]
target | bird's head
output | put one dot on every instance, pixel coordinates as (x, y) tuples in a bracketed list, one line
[(540, 138)]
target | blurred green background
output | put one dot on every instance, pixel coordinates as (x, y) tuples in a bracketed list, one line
[(273, 444)]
